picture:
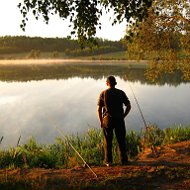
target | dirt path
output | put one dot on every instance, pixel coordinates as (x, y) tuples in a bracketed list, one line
[(169, 171)]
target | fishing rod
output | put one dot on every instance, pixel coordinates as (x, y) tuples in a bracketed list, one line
[(63, 135), (18, 142), (1, 139), (153, 148), (138, 105), (17, 145)]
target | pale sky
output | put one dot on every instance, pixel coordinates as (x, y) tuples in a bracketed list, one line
[(10, 20)]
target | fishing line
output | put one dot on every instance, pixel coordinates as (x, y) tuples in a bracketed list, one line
[(63, 135), (1, 139), (153, 148), (138, 105)]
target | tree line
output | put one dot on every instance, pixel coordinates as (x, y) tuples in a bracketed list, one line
[(22, 44)]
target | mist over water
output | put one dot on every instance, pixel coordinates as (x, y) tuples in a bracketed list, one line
[(31, 108)]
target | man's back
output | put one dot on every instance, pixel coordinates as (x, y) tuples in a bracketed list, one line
[(114, 99), (110, 103)]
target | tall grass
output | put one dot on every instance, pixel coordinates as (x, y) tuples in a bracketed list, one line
[(176, 134), (157, 137), (90, 146)]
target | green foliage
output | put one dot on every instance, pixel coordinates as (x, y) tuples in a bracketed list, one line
[(133, 142), (92, 52), (85, 15), (21, 44), (176, 134), (90, 146), (61, 155), (162, 38), (153, 136), (34, 54), (8, 158), (55, 54), (94, 141)]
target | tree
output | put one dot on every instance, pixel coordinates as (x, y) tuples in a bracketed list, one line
[(85, 14), (164, 37), (159, 27)]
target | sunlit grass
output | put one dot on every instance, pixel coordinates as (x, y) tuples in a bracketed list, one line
[(90, 146)]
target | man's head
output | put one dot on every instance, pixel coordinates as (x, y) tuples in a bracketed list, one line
[(111, 81)]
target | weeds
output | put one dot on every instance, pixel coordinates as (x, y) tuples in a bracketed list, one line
[(176, 134), (90, 146), (152, 136)]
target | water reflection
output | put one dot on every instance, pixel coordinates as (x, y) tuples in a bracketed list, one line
[(96, 71), (27, 107)]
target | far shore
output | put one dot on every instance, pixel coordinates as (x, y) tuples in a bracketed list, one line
[(70, 61)]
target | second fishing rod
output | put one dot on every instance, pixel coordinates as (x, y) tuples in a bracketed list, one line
[(70, 144), (153, 148)]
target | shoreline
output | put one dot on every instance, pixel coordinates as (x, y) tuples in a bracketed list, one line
[(167, 171), (70, 61)]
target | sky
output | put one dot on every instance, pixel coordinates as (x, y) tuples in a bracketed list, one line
[(10, 20)]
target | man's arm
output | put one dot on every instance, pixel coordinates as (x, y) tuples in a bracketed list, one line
[(127, 109), (99, 112)]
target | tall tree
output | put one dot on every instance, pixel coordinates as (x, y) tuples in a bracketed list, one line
[(163, 36), (85, 14)]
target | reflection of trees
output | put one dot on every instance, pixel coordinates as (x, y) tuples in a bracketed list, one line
[(38, 72)]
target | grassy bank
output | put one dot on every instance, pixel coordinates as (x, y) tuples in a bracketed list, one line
[(120, 55), (90, 146), (117, 55), (42, 167)]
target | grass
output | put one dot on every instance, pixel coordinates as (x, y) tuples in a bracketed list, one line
[(90, 146), (15, 161), (121, 55)]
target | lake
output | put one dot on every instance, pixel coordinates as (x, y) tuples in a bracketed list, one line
[(35, 98)]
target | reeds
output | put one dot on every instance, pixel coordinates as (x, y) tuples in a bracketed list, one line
[(176, 134), (90, 146)]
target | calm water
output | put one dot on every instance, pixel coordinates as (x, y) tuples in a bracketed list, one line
[(29, 108)]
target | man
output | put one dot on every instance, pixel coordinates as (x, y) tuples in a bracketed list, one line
[(111, 114)]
